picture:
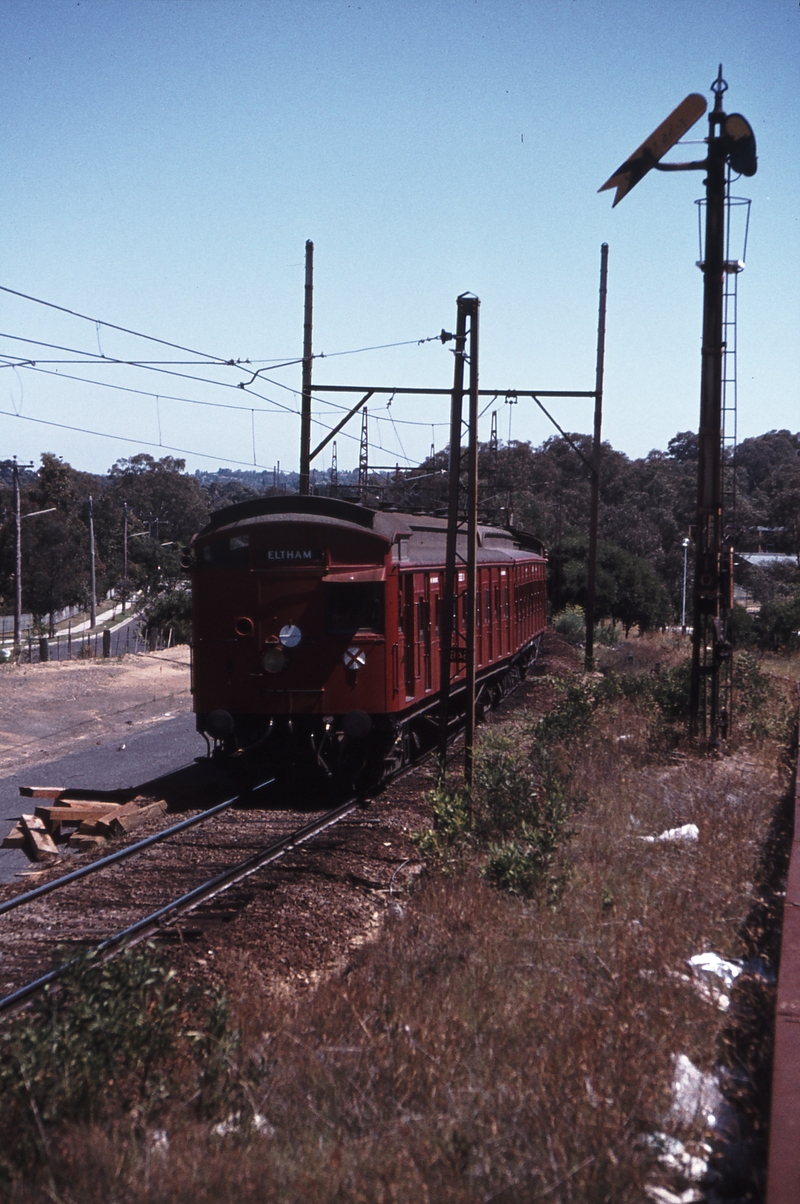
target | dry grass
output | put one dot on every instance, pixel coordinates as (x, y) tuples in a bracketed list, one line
[(488, 1047)]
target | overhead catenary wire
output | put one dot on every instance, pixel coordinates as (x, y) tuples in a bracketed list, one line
[(207, 355), (276, 405), (82, 430), (113, 326), (166, 446), (100, 360)]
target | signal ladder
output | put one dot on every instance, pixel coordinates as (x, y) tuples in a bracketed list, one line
[(737, 214)]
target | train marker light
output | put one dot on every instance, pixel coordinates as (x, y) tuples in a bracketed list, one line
[(290, 636), (354, 658)]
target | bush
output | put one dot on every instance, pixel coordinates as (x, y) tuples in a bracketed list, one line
[(172, 612), (607, 634), (99, 1039), (503, 782), (777, 626), (740, 628), (518, 866), (571, 624), (452, 820)]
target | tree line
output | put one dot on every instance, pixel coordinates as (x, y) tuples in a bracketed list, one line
[(647, 509)]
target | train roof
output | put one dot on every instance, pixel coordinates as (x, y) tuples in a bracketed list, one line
[(425, 532)]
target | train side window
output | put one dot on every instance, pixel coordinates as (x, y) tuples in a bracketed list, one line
[(232, 552), (356, 607)]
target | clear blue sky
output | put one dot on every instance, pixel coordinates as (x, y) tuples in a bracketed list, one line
[(164, 161)]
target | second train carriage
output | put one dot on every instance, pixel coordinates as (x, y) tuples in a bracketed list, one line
[(317, 624)]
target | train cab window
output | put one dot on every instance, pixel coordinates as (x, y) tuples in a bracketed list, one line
[(233, 552), (354, 608)]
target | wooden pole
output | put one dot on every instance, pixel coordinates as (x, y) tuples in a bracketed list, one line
[(17, 560), (305, 409), (472, 541), (596, 452)]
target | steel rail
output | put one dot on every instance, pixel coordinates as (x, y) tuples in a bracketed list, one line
[(121, 854), (139, 931)]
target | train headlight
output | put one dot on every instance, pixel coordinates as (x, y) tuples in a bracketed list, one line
[(274, 659), (290, 636)]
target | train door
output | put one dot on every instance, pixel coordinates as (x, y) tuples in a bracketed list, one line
[(478, 622), (424, 610), (506, 602), (498, 619), (409, 643), (435, 619), (487, 614)]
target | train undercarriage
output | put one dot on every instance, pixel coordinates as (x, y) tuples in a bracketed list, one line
[(356, 750)]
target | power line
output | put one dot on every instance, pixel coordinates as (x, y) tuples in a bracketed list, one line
[(101, 360), (32, 366), (81, 430), (190, 401), (168, 397), (328, 355), (112, 326)]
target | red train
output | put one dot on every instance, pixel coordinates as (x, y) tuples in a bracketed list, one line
[(316, 629)]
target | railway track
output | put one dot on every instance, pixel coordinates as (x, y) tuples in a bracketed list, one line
[(167, 913), (33, 935), (36, 930)]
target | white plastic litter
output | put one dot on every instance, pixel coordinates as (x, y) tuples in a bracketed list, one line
[(662, 1195), (159, 1143), (686, 832), (674, 1155), (718, 967), (224, 1128), (713, 976), (695, 1095)]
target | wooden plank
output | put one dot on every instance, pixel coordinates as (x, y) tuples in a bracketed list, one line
[(42, 791), (83, 843), (74, 813), (88, 804), (129, 817), (40, 845), (15, 839)]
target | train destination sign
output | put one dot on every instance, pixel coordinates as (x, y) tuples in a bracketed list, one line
[(290, 556), (656, 146)]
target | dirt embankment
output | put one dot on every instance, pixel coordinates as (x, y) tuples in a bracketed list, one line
[(45, 710)]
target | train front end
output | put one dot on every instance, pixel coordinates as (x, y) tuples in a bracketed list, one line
[(289, 648)]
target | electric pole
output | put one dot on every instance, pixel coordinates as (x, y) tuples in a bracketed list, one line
[(93, 580), (124, 554), (17, 559), (596, 450), (305, 408)]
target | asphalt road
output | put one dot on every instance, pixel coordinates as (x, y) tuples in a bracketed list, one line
[(157, 753)]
